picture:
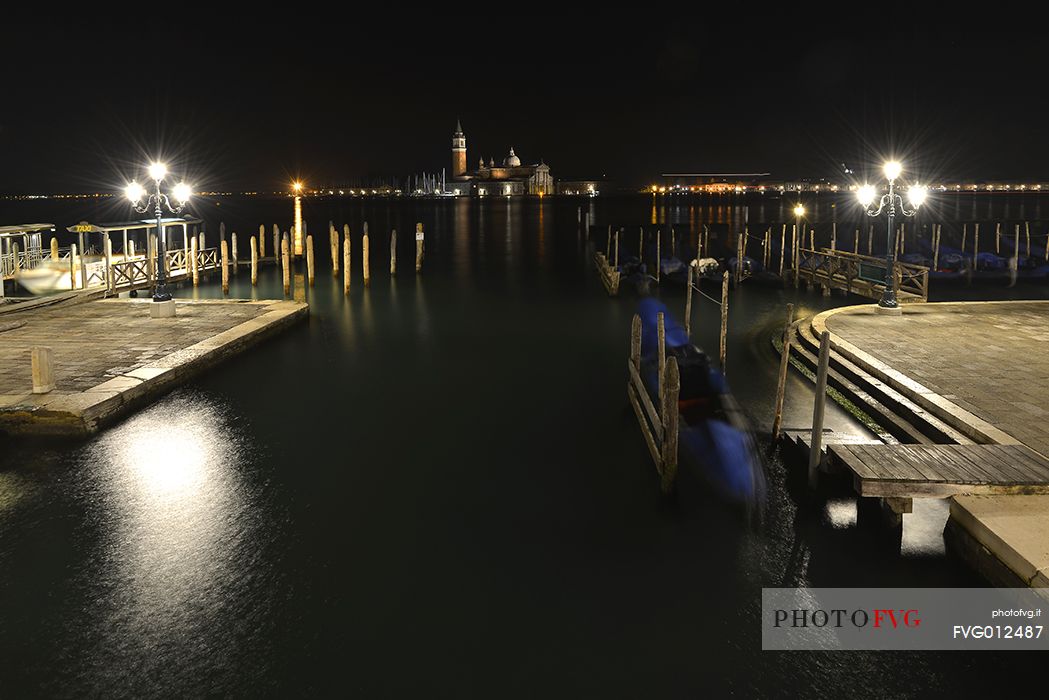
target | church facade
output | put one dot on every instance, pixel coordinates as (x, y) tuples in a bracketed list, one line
[(508, 179)]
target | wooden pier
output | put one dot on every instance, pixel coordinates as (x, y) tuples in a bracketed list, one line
[(941, 471)]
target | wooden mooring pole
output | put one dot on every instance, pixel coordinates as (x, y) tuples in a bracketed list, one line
[(262, 240), (976, 244), (936, 233), (795, 235), (670, 390), (688, 301), (366, 257), (285, 264), (254, 262), (782, 248), (724, 320), (309, 258), (224, 253), (233, 250), (110, 284), (419, 247), (346, 260), (333, 243), (658, 266), (54, 248), (393, 253), (193, 267), (781, 382), (816, 439), (661, 349)]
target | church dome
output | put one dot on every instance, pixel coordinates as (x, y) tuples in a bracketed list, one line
[(512, 161)]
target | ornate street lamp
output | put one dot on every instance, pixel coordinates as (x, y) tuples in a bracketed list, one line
[(158, 201), (867, 195)]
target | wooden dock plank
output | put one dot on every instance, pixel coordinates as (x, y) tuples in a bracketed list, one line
[(958, 471), (938, 471), (891, 464), (846, 456), (979, 473), (913, 456), (1033, 463), (990, 461)]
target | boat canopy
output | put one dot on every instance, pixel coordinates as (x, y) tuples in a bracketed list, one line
[(23, 229), (137, 224)]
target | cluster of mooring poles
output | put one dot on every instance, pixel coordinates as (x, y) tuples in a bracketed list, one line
[(285, 253)]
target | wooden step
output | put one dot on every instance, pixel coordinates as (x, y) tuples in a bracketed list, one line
[(895, 426), (925, 422)]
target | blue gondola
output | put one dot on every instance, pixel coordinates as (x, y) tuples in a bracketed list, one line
[(714, 434)]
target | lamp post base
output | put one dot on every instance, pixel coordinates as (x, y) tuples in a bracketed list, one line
[(162, 309), (889, 310)]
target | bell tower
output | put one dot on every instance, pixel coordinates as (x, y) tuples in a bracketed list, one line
[(458, 151)]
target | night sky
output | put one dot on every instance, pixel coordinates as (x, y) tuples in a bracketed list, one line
[(332, 99)]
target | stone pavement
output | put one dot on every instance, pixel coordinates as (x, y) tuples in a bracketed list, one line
[(989, 358), (110, 353)]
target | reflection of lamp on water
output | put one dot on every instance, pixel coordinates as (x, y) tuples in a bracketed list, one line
[(170, 462), (158, 201), (799, 235), (297, 233), (867, 195)]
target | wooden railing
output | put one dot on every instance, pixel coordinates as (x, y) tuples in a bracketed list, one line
[(131, 273), (862, 274), (207, 258), (26, 260), (609, 274)]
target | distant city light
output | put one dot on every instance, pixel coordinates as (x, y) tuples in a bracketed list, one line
[(799, 210), (297, 186)]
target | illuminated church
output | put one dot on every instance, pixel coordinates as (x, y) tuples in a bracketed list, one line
[(509, 179)]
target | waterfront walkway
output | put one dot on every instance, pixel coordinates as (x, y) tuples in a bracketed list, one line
[(109, 355), (983, 368), (987, 359)]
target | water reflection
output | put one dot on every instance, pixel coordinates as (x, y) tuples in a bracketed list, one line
[(177, 516)]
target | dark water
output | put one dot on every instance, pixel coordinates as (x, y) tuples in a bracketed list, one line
[(437, 488)]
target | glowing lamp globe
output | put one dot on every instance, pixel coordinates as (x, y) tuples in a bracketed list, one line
[(157, 171), (866, 195), (893, 169), (917, 194), (182, 192), (134, 191)]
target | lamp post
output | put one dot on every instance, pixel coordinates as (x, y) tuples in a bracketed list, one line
[(867, 195), (158, 201)]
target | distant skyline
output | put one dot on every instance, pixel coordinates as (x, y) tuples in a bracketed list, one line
[(251, 108)]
